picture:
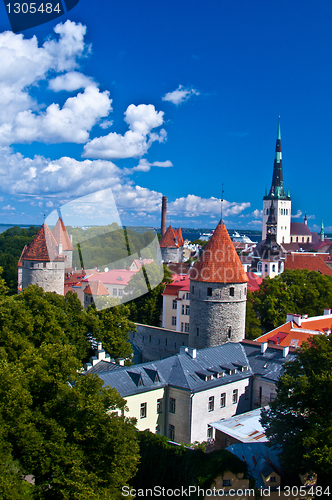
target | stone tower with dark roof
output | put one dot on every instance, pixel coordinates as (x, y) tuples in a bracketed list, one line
[(282, 202), (43, 263), (218, 294)]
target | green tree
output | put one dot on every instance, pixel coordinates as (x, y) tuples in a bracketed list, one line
[(300, 418), (146, 308), (300, 291), (253, 324)]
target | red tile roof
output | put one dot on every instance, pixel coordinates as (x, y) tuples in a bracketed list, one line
[(254, 281), (61, 236), (180, 238), (219, 262), (20, 259), (312, 262), (43, 247), (113, 277), (290, 334), (169, 239), (96, 288), (180, 283), (299, 228)]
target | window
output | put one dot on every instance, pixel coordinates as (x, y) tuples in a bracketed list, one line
[(266, 268), (143, 410), (211, 403), (174, 304), (181, 327), (209, 432), (223, 400), (227, 482), (44, 264), (193, 289), (149, 338), (159, 405), (197, 331), (187, 296), (187, 310), (259, 267), (235, 396), (273, 479), (229, 332), (246, 392), (172, 402), (302, 239), (209, 292), (186, 327), (182, 310), (273, 268), (115, 292), (173, 320), (120, 293), (171, 432), (231, 291)]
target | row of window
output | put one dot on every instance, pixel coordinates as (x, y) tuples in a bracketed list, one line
[(185, 308), (115, 292), (235, 397), (144, 407), (209, 291), (282, 211), (297, 239)]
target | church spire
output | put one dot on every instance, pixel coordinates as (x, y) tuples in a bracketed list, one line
[(277, 187)]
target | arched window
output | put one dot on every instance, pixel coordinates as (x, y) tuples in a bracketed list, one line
[(231, 291), (273, 268), (259, 267)]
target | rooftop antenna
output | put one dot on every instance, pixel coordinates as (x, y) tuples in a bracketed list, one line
[(222, 200)]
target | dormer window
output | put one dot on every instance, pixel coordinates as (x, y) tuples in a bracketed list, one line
[(209, 292)]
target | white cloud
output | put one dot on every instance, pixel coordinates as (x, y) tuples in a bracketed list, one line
[(181, 94), (195, 205), (135, 142), (298, 215), (73, 80), (106, 124), (257, 213), (8, 207), (145, 166)]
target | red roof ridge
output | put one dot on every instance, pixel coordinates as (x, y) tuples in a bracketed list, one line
[(219, 262), (43, 247), (96, 288), (169, 239), (21, 256)]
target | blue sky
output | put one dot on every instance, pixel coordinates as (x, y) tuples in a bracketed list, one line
[(143, 99)]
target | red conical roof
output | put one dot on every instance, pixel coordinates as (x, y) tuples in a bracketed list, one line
[(61, 236), (180, 238), (43, 247), (169, 239), (96, 288), (21, 256), (219, 262)]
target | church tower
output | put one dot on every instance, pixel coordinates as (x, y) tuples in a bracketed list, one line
[(218, 294), (282, 202)]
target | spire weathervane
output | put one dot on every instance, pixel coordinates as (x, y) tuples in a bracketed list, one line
[(222, 200)]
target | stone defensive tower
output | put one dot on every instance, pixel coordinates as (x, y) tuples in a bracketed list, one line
[(171, 245), (43, 263), (62, 238), (218, 294)]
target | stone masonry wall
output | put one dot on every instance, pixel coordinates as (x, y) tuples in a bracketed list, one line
[(49, 278), (218, 318), (157, 343), (169, 254)]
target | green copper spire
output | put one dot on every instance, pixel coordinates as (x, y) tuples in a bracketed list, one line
[(279, 133), (322, 232)]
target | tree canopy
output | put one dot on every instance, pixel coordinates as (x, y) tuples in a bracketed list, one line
[(54, 423), (299, 420), (294, 291)]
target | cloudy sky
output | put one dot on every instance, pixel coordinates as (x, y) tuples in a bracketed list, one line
[(133, 100)]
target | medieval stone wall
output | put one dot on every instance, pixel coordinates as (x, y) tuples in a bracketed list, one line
[(170, 254), (217, 313), (157, 343)]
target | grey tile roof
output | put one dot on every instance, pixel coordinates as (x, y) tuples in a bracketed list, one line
[(268, 365), (181, 371)]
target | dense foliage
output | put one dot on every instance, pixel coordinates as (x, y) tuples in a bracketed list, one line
[(54, 423), (12, 243), (253, 324), (146, 308), (108, 246), (178, 466), (300, 418), (300, 291)]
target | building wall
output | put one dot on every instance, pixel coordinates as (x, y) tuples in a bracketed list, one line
[(68, 254), (170, 254), (218, 318), (152, 419), (182, 416), (48, 275), (182, 299), (157, 343), (202, 417), (283, 220), (263, 392)]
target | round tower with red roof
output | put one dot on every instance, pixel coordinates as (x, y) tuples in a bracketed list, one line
[(171, 245), (218, 294), (43, 263)]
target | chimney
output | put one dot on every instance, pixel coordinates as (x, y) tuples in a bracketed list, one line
[(163, 215), (294, 317), (121, 361), (263, 347), (60, 248), (183, 349), (327, 311), (192, 352), (285, 351)]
